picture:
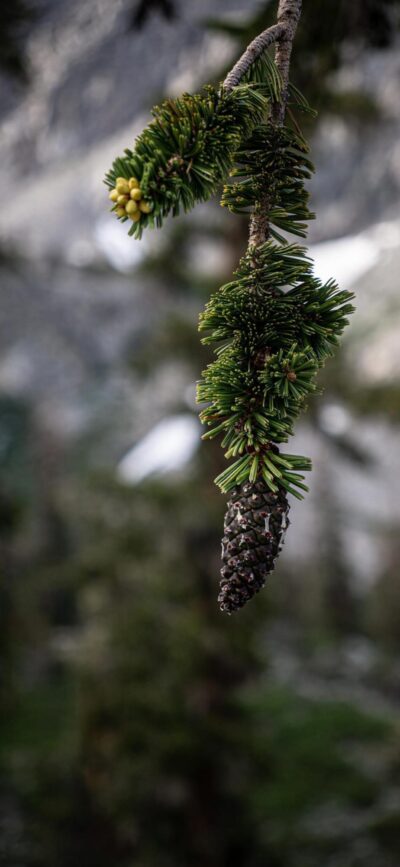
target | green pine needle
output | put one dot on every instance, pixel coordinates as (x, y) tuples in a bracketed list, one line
[(272, 165)]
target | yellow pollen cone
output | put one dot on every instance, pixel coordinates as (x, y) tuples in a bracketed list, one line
[(122, 200), (133, 183), (145, 207), (136, 194), (120, 212), (131, 207), (122, 188), (135, 217), (113, 195)]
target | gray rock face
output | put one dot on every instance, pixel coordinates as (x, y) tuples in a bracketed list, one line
[(93, 82), (358, 162), (66, 329)]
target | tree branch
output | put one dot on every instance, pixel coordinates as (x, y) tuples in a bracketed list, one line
[(253, 51), (288, 17), (282, 32), (289, 12)]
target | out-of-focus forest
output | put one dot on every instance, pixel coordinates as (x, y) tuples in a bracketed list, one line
[(140, 725)]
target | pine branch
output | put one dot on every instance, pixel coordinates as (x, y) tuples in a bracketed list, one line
[(272, 339), (186, 152), (273, 163), (253, 52), (288, 17), (274, 324)]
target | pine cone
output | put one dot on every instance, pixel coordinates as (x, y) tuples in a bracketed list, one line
[(255, 525)]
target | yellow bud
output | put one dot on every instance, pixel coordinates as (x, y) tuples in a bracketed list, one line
[(136, 193), (122, 200), (146, 207), (131, 207), (120, 212), (122, 188), (113, 195), (120, 179), (135, 217), (133, 182)]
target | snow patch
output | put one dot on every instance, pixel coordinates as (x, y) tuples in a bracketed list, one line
[(345, 259), (168, 447)]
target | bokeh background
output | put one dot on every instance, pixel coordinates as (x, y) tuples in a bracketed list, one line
[(139, 725)]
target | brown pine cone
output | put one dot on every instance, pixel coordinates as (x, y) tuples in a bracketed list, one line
[(255, 524)]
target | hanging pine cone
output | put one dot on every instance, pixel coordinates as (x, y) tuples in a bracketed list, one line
[(255, 525)]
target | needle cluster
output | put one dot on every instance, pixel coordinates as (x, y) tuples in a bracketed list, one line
[(184, 155), (273, 325)]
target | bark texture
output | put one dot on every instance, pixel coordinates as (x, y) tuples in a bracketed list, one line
[(288, 17)]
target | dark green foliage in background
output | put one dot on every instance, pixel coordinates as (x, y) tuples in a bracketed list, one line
[(16, 20), (159, 740)]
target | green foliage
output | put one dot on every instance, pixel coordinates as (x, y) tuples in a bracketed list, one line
[(187, 151), (289, 375), (299, 745), (238, 408), (272, 165), (265, 73), (274, 324), (274, 301)]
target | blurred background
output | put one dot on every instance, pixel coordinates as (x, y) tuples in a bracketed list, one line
[(139, 725)]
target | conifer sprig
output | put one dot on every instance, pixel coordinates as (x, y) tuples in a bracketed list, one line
[(273, 159), (275, 301), (273, 325), (187, 151)]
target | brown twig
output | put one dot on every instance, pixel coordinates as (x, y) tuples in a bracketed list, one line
[(289, 12), (253, 51), (282, 34), (288, 17)]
